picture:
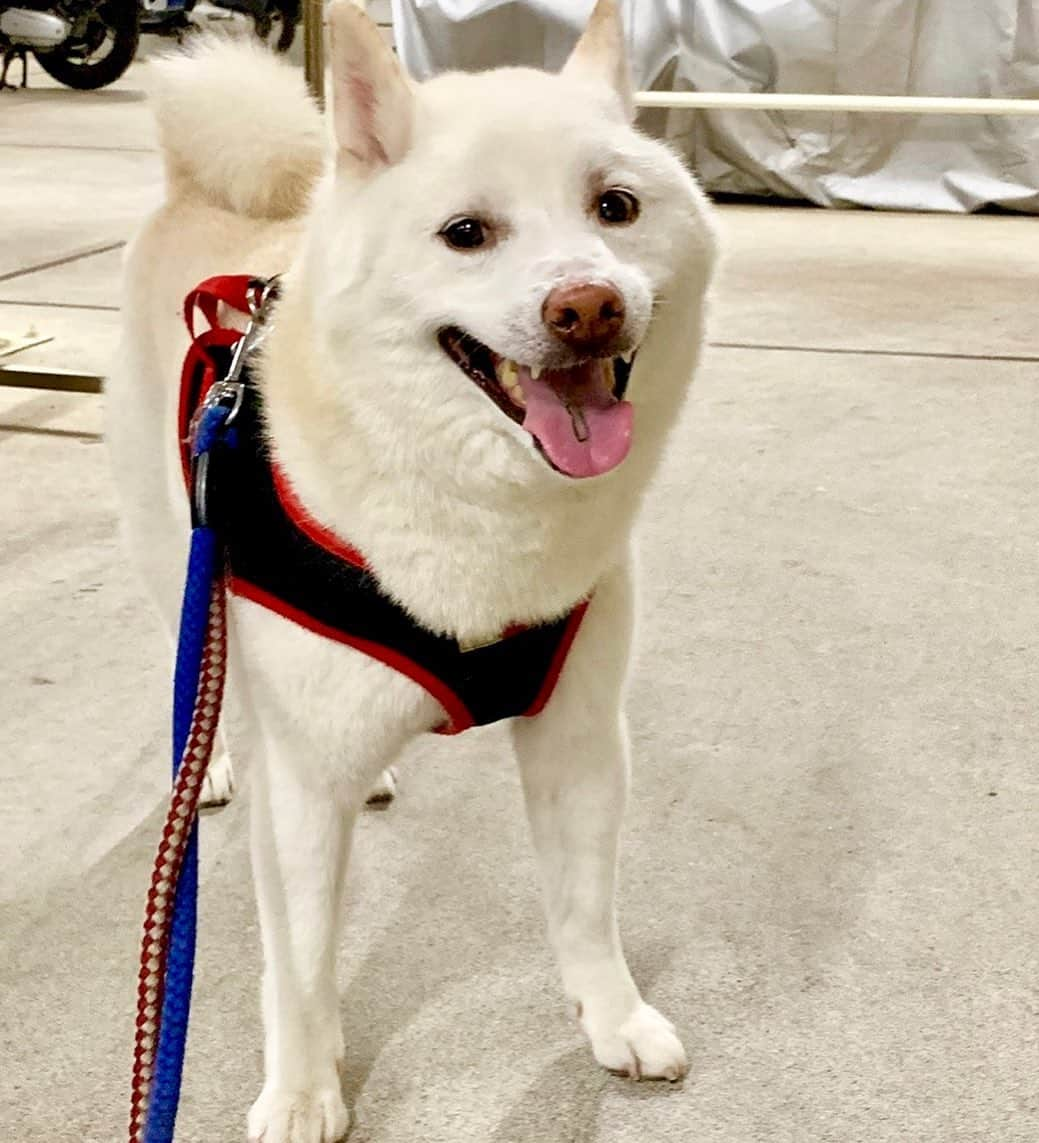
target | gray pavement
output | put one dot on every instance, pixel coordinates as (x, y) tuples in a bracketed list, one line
[(831, 875)]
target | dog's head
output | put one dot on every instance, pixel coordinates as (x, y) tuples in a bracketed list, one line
[(509, 268)]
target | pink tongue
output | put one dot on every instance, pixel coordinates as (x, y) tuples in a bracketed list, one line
[(572, 413)]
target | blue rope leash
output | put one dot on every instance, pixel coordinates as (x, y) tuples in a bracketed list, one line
[(161, 1037), (205, 566)]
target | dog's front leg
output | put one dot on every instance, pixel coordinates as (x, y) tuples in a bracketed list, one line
[(574, 765), (301, 829)]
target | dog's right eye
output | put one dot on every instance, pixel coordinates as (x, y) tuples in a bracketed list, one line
[(464, 234)]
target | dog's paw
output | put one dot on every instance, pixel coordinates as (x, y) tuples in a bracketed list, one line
[(218, 784), (315, 1116), (385, 789), (643, 1047)]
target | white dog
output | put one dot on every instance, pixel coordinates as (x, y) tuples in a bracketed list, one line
[(466, 270)]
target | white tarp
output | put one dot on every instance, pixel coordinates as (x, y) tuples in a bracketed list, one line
[(873, 47)]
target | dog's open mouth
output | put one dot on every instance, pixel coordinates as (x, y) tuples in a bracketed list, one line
[(577, 416)]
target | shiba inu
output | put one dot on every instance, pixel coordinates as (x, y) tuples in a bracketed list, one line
[(490, 310)]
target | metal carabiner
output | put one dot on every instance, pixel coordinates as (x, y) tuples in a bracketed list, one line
[(258, 297), (229, 392), (199, 488)]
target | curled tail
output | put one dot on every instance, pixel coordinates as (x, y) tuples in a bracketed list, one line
[(237, 128)]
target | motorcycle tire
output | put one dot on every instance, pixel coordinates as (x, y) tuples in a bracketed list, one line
[(67, 65)]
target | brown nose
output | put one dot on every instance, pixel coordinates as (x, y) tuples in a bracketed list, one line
[(586, 316)]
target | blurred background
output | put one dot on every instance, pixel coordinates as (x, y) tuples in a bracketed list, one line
[(873, 47)]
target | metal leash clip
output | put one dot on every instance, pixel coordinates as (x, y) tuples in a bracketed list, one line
[(226, 395), (230, 390)]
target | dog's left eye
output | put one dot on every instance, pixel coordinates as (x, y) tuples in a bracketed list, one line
[(617, 207), (464, 234)]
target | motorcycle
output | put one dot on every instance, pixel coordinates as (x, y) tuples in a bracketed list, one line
[(179, 18), (267, 15), (88, 44), (84, 44)]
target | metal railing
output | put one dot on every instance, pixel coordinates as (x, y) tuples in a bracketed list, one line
[(856, 104)]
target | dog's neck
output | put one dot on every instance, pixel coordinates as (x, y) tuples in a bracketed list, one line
[(463, 565)]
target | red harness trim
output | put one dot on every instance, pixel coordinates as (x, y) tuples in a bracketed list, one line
[(230, 289), (191, 397), (559, 659), (322, 536), (458, 716)]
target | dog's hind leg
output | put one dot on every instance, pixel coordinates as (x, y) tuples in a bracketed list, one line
[(219, 785), (385, 788), (574, 765)]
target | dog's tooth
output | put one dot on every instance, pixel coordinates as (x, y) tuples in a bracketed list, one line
[(515, 392), (507, 372), (535, 372), (627, 357)]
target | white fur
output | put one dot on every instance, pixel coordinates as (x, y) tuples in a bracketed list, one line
[(201, 90), (388, 443)]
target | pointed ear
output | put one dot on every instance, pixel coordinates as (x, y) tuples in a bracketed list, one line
[(371, 97), (601, 55)]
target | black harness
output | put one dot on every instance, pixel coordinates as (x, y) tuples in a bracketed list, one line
[(281, 558)]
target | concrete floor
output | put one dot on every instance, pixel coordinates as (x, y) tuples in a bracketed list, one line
[(832, 871)]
